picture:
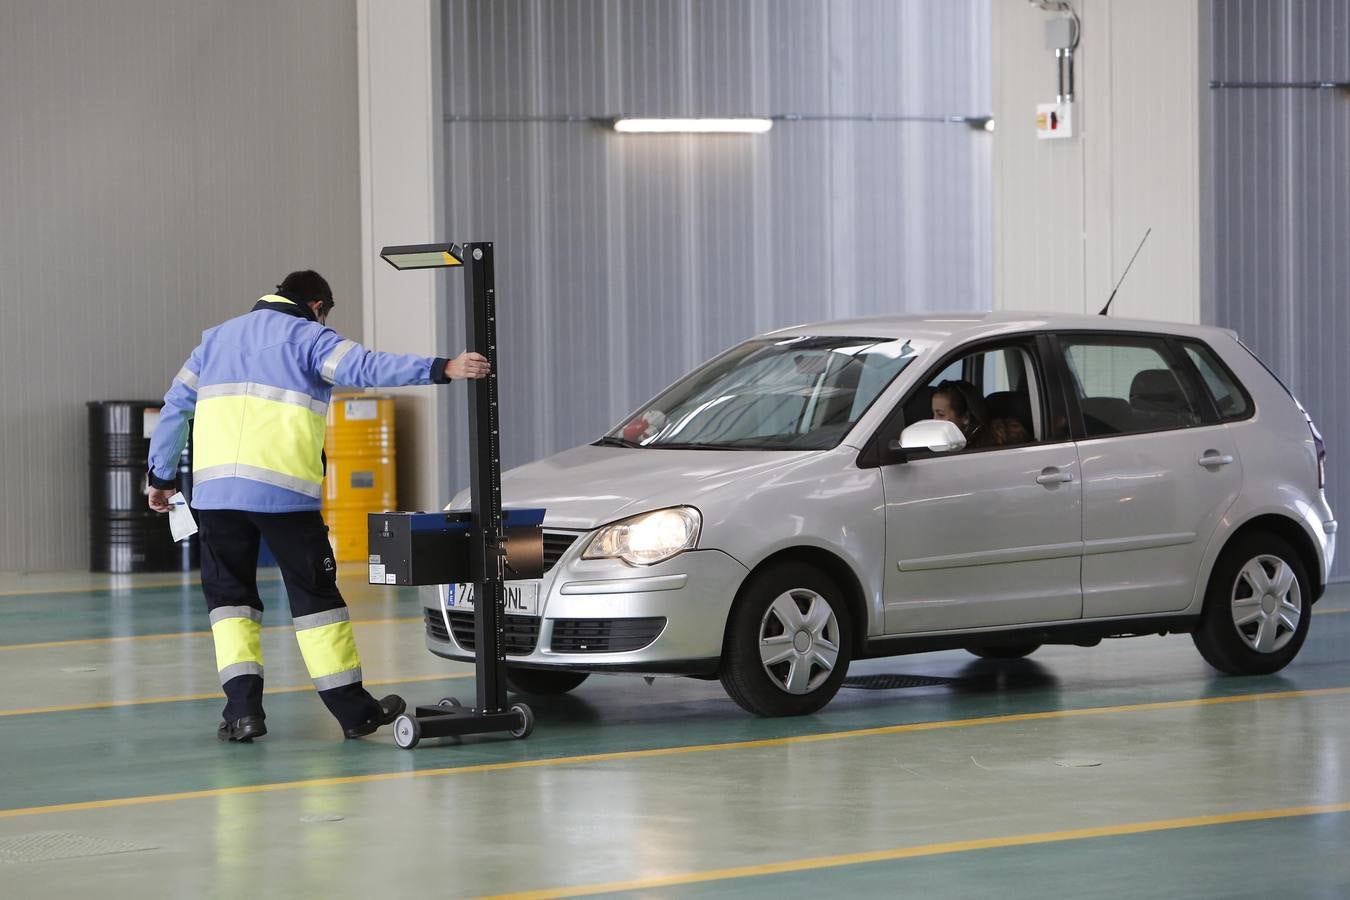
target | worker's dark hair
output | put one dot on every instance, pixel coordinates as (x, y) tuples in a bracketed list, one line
[(306, 286)]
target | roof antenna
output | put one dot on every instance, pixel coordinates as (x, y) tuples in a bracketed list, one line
[(1126, 272)]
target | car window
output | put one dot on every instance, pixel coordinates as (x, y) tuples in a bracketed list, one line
[(795, 393), (992, 395), (1125, 385), (1229, 398)]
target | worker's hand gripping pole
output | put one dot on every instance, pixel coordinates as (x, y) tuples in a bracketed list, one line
[(485, 473)]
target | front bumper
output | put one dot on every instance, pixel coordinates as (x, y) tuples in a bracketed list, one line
[(607, 616)]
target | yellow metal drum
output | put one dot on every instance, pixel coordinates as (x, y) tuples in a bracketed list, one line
[(360, 476)]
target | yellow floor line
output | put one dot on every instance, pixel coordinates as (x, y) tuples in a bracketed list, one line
[(853, 859), (213, 695), (84, 642), (660, 752)]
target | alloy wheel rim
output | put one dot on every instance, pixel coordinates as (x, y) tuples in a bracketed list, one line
[(1267, 604), (799, 641)]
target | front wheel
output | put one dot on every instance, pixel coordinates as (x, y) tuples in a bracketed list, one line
[(789, 642), (1258, 607), (407, 732), (526, 716)]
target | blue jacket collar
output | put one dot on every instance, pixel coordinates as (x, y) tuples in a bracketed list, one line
[(277, 303)]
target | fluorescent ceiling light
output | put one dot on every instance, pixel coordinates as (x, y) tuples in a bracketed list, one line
[(696, 126), (423, 256)]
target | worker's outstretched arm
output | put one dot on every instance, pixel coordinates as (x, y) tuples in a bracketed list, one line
[(171, 434), (339, 361)]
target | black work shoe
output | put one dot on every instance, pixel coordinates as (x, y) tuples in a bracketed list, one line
[(243, 730), (391, 708)]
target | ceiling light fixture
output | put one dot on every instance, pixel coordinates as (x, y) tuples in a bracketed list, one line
[(692, 126)]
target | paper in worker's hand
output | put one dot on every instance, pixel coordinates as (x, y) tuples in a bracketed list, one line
[(181, 523)]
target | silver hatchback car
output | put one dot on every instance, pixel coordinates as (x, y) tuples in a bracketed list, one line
[(873, 487)]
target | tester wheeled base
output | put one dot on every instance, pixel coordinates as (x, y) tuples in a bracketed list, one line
[(449, 719)]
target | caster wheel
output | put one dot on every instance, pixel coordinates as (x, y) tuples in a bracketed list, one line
[(526, 720), (449, 703), (407, 732)]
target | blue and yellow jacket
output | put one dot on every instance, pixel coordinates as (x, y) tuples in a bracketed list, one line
[(255, 393)]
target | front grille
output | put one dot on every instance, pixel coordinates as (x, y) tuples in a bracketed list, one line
[(555, 545), (519, 633), (435, 627), (605, 635)]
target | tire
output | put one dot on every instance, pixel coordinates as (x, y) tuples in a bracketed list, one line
[(812, 659), (526, 721), (1258, 607), (407, 732), (1012, 651), (542, 682)]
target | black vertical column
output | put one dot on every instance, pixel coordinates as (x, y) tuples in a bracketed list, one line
[(485, 480)]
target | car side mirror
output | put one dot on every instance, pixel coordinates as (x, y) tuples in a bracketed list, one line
[(937, 435)]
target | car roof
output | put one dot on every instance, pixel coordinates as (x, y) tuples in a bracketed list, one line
[(939, 326)]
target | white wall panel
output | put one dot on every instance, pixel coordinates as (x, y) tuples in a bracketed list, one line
[(163, 163), (1070, 212)]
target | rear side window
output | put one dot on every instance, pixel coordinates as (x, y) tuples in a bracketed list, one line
[(1126, 385), (1229, 398)]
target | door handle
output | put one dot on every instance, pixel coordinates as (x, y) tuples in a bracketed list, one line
[(1052, 475), (1215, 458)]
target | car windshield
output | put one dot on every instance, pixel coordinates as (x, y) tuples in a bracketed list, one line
[(796, 393)]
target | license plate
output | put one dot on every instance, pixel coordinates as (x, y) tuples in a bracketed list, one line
[(522, 597)]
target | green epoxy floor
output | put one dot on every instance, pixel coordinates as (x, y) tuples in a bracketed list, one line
[(668, 789)]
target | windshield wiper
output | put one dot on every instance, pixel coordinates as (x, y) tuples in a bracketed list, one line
[(611, 440), (675, 445)]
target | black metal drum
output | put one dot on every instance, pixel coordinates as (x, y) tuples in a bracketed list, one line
[(125, 535)]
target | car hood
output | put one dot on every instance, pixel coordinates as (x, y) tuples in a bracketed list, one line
[(588, 486)]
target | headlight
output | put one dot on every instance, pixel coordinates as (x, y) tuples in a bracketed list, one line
[(649, 538)]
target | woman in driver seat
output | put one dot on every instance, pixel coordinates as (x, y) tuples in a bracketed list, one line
[(961, 403)]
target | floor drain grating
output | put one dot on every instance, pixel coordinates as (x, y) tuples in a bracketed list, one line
[(895, 682), (48, 845)]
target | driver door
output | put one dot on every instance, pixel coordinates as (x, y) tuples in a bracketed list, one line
[(990, 535)]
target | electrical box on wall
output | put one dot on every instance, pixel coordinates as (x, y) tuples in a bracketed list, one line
[(1054, 120)]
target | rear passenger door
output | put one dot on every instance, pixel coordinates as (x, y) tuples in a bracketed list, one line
[(1159, 470)]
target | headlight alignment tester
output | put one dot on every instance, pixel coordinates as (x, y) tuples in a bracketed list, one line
[(477, 546)]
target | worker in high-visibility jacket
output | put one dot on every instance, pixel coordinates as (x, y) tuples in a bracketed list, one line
[(255, 393)]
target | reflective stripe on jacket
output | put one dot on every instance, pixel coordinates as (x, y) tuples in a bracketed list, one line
[(256, 392)]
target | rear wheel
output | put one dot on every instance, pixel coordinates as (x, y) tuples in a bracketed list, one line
[(788, 642), (542, 681), (1258, 606), (1011, 651)]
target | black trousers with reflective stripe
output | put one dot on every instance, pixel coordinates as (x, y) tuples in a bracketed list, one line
[(299, 541)]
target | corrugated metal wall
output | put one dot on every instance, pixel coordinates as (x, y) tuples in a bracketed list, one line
[(623, 261), (162, 163), (1276, 203)]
